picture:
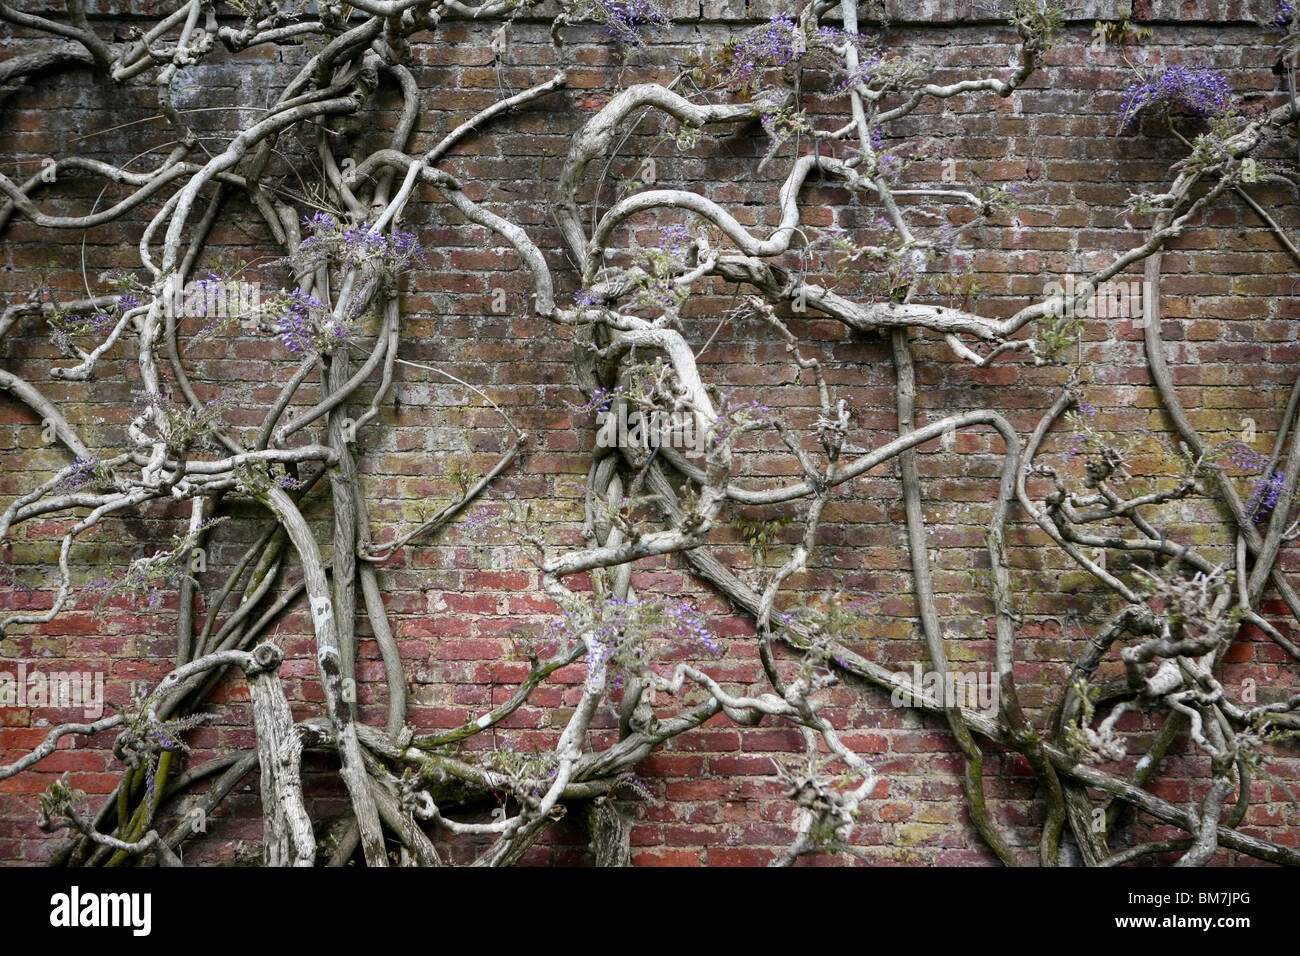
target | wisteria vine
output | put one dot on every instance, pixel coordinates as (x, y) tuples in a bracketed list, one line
[(647, 658)]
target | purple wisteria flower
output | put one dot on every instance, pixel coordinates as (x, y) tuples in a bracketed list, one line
[(862, 74), (602, 399), (1198, 90), (481, 522), (618, 632), (88, 323), (625, 19), (320, 222), (838, 36), (768, 121), (407, 245), (782, 42), (690, 629), (1263, 498), (363, 239), (126, 301), (1078, 442), (737, 418), (1285, 13), (83, 471), (296, 324), (355, 246), (1245, 457), (207, 291), (675, 240), (771, 46), (587, 297)]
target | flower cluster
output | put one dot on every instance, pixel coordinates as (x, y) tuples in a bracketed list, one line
[(1083, 421), (625, 20), (782, 42), (690, 630), (306, 324), (619, 632), (359, 247), (289, 482), (1265, 489), (181, 427), (639, 786), (481, 522), (1079, 440), (839, 37), (777, 44), (66, 326), (204, 293), (602, 399), (1198, 90), (84, 471), (1244, 457), (1285, 13), (149, 576), (1264, 496), (781, 125), (166, 735), (147, 737), (828, 46), (860, 75), (654, 272), (676, 240)]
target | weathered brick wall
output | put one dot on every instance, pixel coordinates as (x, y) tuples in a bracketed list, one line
[(459, 607)]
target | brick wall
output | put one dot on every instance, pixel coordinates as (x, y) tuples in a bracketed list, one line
[(459, 607)]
